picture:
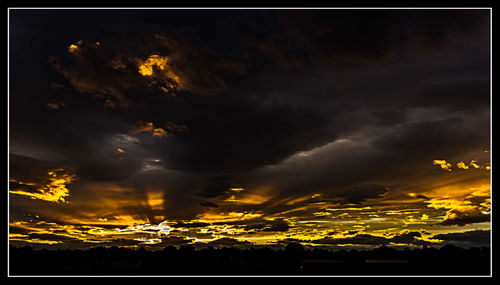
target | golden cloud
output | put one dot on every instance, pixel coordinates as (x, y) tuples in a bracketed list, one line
[(73, 48), (473, 208), (156, 68), (146, 68), (461, 165), (54, 190), (443, 164)]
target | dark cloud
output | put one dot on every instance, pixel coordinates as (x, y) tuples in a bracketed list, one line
[(111, 71), (462, 217), (350, 104), (208, 204), (350, 38), (358, 194), (190, 225), (388, 117), (410, 238), (27, 168), (443, 137), (277, 226), (466, 96), (228, 242), (407, 237), (478, 236), (365, 239)]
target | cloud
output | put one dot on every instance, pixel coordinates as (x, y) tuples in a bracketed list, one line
[(407, 237), (477, 236), (276, 226), (389, 117), (468, 209), (39, 180), (365, 239), (461, 165), (304, 110), (331, 35), (358, 194), (55, 105), (124, 77), (148, 127), (176, 128), (228, 242), (465, 95), (443, 164), (424, 136), (465, 215), (54, 191)]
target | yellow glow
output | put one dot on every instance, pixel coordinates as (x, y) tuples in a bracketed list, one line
[(462, 165), (297, 200), (463, 205), (22, 183), (146, 68), (322, 214), (155, 200), (35, 240), (54, 191), (72, 48), (227, 217), (237, 189), (481, 190), (148, 241), (232, 199), (443, 164), (348, 209), (119, 150), (13, 236), (473, 164), (248, 198), (445, 203)]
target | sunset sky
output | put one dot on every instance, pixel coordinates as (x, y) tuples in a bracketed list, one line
[(334, 128)]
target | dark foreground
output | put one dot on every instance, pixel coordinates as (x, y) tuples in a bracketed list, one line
[(293, 260)]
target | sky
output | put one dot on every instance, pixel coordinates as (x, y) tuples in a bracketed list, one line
[(333, 128)]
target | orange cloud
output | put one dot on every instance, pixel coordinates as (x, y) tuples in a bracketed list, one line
[(119, 150), (148, 127)]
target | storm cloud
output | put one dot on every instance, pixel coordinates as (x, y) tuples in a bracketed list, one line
[(259, 119)]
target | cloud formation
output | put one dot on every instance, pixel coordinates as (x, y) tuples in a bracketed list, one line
[(255, 126)]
